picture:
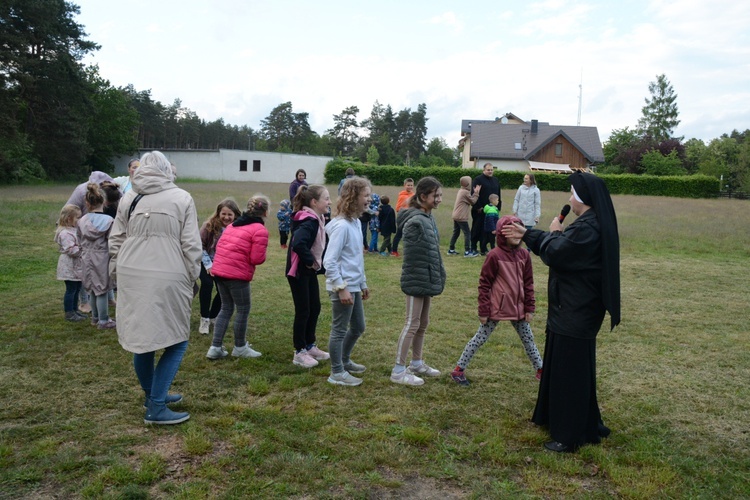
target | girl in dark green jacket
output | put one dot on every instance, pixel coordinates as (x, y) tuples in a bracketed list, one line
[(422, 277)]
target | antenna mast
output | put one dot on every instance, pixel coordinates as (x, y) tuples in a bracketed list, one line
[(580, 98)]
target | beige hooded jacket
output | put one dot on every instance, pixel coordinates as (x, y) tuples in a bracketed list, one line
[(156, 256)]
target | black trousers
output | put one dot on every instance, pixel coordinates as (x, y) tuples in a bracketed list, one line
[(306, 297)]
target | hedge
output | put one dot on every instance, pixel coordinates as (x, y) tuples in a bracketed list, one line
[(684, 186)]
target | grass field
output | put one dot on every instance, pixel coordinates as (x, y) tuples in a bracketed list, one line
[(674, 380)]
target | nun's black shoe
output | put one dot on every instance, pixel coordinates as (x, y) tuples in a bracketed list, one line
[(604, 430), (558, 447)]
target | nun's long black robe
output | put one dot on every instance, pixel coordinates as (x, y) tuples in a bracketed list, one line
[(567, 402)]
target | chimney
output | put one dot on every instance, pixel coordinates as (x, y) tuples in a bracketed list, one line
[(534, 126)]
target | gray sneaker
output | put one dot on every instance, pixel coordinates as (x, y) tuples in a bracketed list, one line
[(353, 367), (216, 352), (344, 378), (423, 370), (246, 351)]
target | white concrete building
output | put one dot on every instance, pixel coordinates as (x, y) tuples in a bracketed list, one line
[(238, 165)]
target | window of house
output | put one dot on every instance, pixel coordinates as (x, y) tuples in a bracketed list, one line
[(518, 146), (256, 165), (243, 165), (558, 149)]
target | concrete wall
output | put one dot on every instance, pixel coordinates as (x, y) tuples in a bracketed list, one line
[(224, 165)]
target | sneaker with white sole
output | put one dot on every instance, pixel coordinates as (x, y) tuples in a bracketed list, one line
[(423, 370), (246, 351), (344, 378), (304, 359), (317, 354), (216, 352), (203, 328), (353, 367), (406, 378), (452, 252)]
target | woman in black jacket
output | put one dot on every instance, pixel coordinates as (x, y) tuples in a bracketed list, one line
[(584, 283)]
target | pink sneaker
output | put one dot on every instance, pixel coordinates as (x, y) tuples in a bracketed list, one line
[(304, 360), (317, 354)]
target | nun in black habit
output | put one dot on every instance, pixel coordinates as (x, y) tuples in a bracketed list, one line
[(584, 282)]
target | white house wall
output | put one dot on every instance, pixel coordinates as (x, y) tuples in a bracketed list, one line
[(224, 165), (505, 165)]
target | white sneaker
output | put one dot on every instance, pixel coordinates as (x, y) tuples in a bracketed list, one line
[(423, 370), (318, 354), (203, 329), (304, 359), (216, 352), (344, 378), (406, 378), (246, 351)]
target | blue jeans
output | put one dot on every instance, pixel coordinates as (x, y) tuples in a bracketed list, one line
[(348, 324), (155, 382), (373, 240), (70, 299), (232, 292)]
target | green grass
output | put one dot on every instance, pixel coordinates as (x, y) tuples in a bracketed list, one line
[(674, 380)]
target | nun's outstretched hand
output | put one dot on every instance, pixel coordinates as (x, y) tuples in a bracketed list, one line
[(513, 231)]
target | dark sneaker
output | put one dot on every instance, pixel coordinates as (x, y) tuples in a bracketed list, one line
[(452, 252), (170, 399), (459, 377)]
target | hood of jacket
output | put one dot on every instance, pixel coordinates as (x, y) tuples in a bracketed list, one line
[(504, 221), (406, 215), (148, 179), (98, 177)]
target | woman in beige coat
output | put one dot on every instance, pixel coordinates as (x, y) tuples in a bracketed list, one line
[(156, 254)]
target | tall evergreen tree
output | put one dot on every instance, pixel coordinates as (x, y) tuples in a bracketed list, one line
[(660, 112), (41, 75)]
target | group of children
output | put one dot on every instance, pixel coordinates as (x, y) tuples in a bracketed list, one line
[(235, 243), (84, 256), (506, 290)]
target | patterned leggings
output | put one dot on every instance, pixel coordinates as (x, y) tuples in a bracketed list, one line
[(483, 333)]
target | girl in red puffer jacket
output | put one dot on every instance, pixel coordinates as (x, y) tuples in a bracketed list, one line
[(506, 293)]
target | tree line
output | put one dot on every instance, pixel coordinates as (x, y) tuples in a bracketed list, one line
[(651, 147), (60, 118)]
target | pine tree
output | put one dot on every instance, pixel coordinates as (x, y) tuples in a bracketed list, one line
[(660, 112)]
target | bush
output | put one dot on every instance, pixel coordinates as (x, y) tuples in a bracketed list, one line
[(682, 186), (18, 163)]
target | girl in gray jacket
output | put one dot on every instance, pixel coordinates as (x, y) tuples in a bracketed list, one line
[(422, 277)]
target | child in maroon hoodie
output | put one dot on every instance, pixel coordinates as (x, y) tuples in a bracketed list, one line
[(506, 292)]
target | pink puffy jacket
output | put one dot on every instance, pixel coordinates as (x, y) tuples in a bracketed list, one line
[(239, 250)]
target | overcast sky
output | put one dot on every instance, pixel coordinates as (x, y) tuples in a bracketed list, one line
[(238, 59)]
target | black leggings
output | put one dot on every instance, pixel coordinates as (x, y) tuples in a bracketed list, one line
[(306, 296), (208, 310)]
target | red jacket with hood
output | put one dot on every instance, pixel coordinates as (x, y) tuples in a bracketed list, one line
[(506, 282)]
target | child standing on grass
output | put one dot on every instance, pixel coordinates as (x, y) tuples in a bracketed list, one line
[(506, 293), (346, 282), (241, 248), (285, 220), (93, 233), (69, 262), (491, 216), (387, 220), (374, 224), (422, 277), (226, 213), (401, 203), (465, 199), (304, 261)]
